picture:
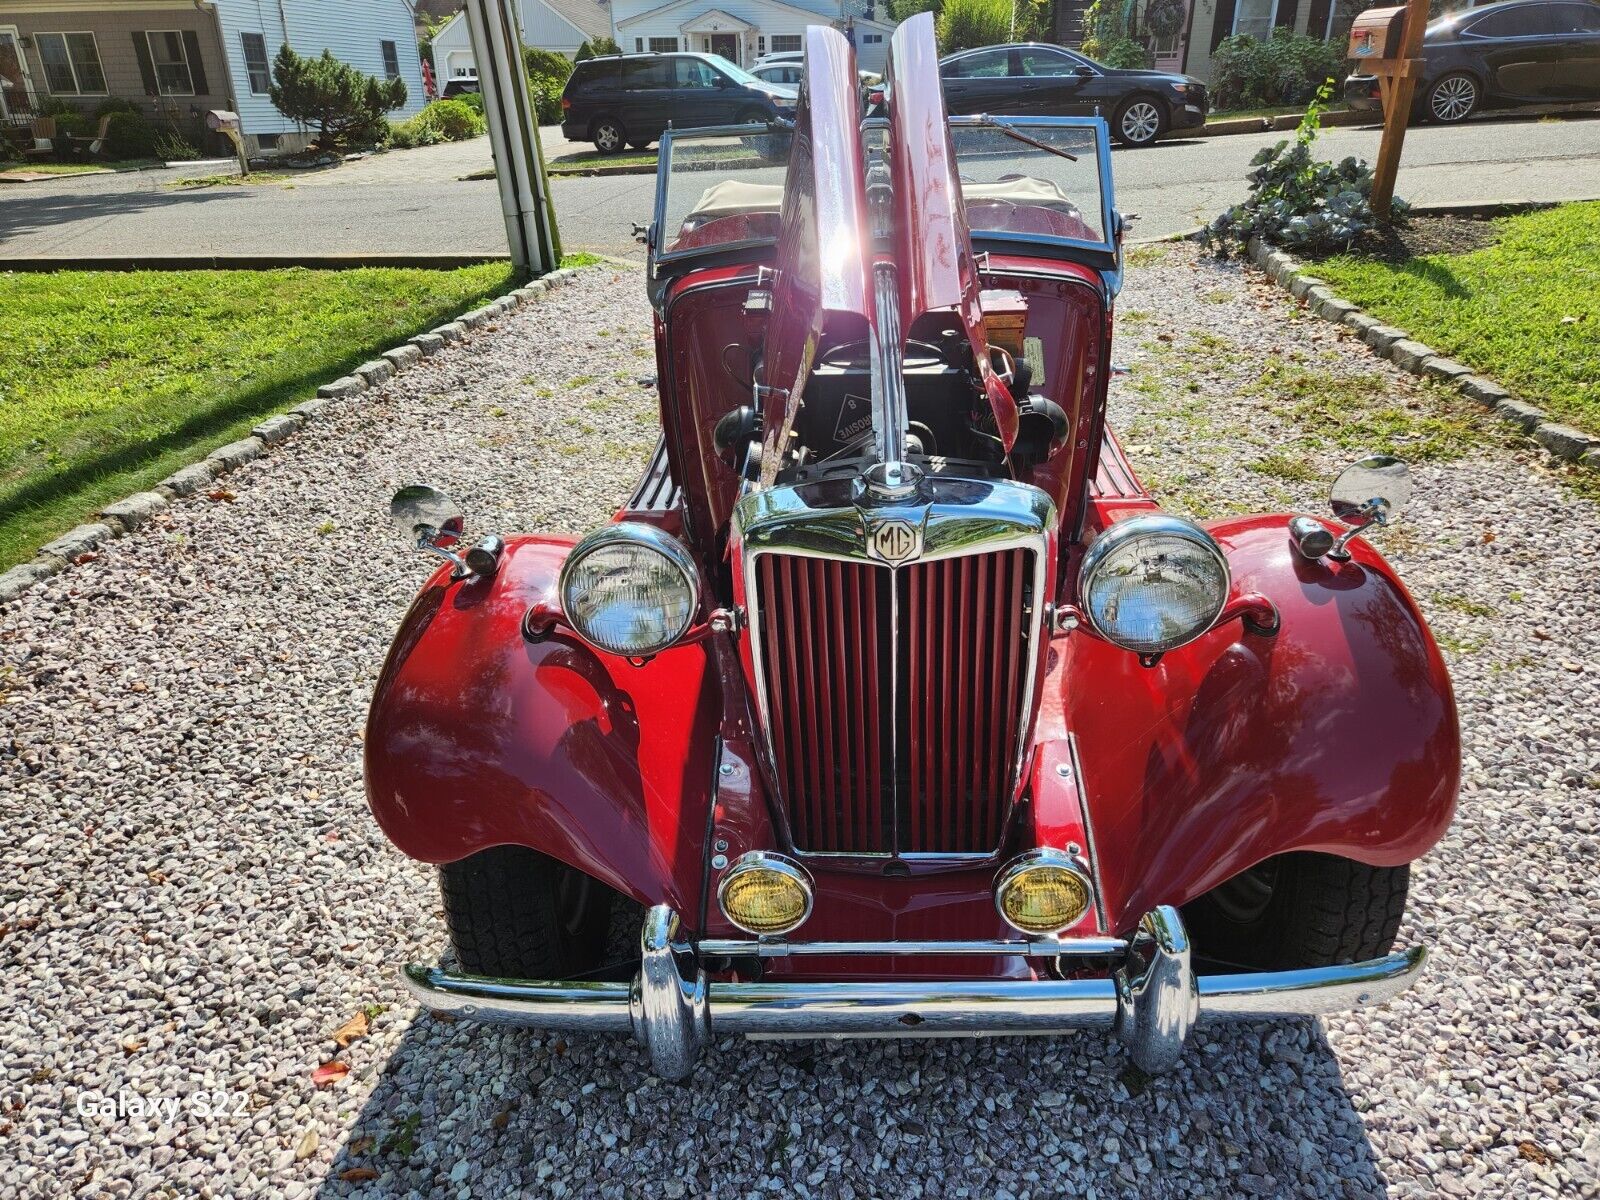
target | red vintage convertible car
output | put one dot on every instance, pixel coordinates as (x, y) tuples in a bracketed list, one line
[(892, 699)]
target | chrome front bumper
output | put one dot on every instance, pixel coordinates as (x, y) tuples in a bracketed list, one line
[(1151, 1001)]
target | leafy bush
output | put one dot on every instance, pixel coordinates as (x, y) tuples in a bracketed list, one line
[(473, 100), (113, 105), (172, 146), (1124, 53), (966, 24), (1286, 68), (130, 136), (596, 46), (547, 76), (1298, 202), (441, 121), (904, 10), (345, 106), (72, 123), (10, 152)]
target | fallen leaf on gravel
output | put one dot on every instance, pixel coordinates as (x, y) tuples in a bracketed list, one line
[(358, 1174), (1540, 632), (355, 1027), (1575, 667), (501, 1118), (1488, 536), (156, 876), (306, 1146), (1533, 1152), (329, 1072), (132, 1044), (220, 494), (445, 1017), (88, 556), (362, 1144)]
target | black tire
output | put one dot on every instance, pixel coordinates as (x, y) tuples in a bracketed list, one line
[(1139, 121), (1453, 98), (608, 135), (644, 145), (516, 914), (1299, 910)]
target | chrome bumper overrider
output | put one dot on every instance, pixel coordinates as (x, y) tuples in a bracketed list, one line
[(1151, 1000)]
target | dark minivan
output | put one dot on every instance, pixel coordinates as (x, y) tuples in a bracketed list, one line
[(1528, 52), (627, 99)]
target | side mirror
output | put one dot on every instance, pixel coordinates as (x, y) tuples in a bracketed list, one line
[(426, 517), (1083, 72), (1368, 493)]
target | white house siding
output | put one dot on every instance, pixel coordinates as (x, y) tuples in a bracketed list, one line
[(541, 27), (637, 21), (353, 30)]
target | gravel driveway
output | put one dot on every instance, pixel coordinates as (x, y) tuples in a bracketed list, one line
[(195, 899)]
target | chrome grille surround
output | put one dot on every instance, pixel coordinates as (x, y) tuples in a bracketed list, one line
[(833, 520)]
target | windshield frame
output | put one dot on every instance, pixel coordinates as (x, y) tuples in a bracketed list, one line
[(1102, 255)]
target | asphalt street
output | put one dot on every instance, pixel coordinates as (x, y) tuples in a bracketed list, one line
[(416, 200)]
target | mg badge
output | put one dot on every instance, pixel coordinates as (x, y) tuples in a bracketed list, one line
[(894, 541)]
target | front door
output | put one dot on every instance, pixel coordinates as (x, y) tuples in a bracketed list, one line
[(727, 45), (16, 85)]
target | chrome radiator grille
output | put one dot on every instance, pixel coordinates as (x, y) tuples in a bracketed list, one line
[(895, 699)]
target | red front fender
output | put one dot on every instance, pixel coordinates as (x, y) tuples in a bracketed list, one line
[(1338, 734), (479, 738)]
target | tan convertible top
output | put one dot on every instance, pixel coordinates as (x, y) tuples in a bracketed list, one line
[(732, 197)]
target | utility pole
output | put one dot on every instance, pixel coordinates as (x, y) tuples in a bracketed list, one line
[(514, 136), (1397, 83)]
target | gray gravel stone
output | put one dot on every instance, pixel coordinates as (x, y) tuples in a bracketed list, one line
[(404, 356), (276, 430), (1407, 354), (1446, 369), (133, 511), (343, 388), (1485, 391), (1563, 440), (1524, 416), (377, 371), (191, 479), (83, 539), (428, 343), (190, 868), (236, 454)]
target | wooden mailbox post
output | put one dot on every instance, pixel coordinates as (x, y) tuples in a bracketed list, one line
[(1388, 43)]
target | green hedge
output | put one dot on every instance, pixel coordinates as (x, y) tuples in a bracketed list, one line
[(1286, 68), (441, 121)]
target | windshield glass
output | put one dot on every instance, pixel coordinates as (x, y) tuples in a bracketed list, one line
[(724, 190)]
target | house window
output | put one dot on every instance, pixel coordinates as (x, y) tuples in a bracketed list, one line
[(785, 42), (171, 63), (391, 59), (871, 39), (663, 45), (71, 63), (255, 63), (761, 45), (1254, 18)]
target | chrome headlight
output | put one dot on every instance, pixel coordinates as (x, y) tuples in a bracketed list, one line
[(765, 893), (630, 589), (1042, 892), (1152, 584)]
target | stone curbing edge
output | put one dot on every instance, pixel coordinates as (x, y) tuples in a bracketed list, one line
[(1400, 348), (127, 514)]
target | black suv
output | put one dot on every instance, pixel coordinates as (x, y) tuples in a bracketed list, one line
[(1543, 52), (627, 99)]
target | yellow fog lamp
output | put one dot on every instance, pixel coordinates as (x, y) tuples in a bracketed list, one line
[(765, 893), (1042, 892)]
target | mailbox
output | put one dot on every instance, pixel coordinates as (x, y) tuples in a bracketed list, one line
[(1377, 33), (219, 120)]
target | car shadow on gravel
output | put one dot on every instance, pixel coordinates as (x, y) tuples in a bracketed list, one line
[(1253, 1111)]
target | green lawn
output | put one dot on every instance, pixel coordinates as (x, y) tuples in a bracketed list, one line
[(78, 168), (110, 381), (1524, 311)]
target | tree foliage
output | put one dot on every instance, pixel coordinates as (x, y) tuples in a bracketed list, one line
[(343, 105), (597, 46), (1286, 68), (967, 24)]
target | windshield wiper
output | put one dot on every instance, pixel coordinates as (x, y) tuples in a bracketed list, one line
[(1012, 131)]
